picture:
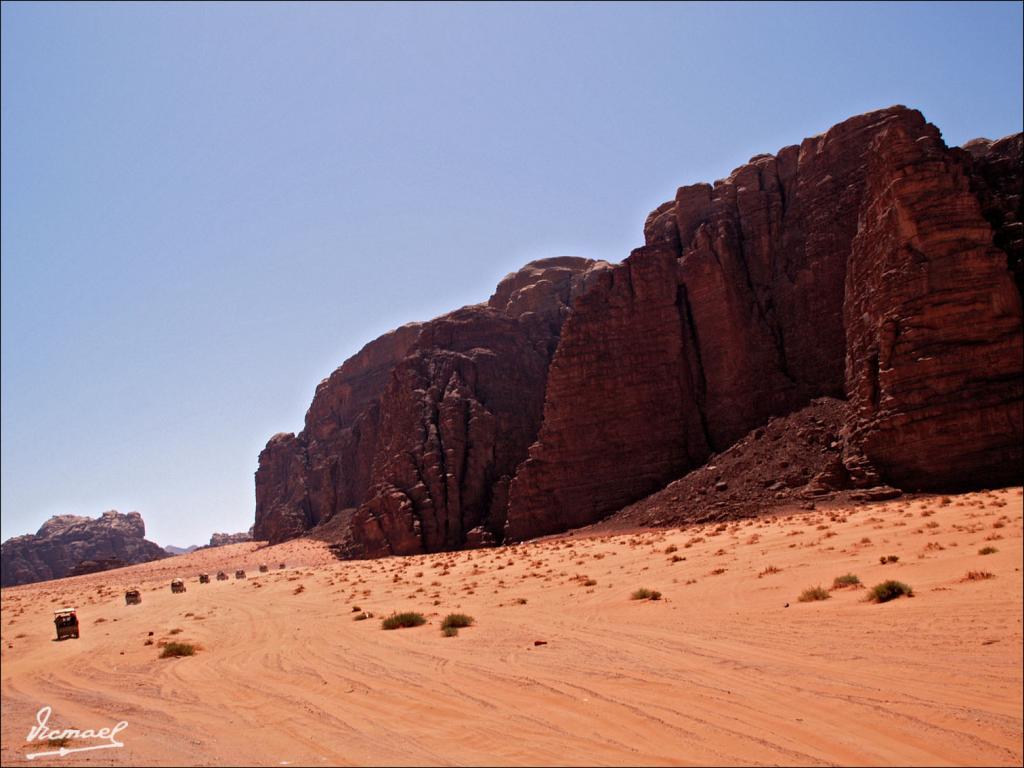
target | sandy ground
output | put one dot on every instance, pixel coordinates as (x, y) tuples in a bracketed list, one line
[(718, 671)]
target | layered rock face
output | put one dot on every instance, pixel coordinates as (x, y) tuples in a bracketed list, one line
[(933, 321), (70, 544), (749, 300), (303, 479), (616, 421), (870, 263), (997, 177), (224, 539), (411, 444)]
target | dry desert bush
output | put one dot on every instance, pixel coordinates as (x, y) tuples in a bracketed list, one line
[(645, 594), (403, 620), (812, 594), (175, 649), (847, 580), (889, 590)]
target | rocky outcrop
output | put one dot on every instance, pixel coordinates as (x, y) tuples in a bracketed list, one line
[(223, 539), (411, 444), (997, 177), (69, 544), (870, 263), (737, 300), (759, 293), (933, 322), (616, 422), (791, 460), (304, 479)]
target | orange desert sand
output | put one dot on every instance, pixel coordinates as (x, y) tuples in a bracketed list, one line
[(718, 671)]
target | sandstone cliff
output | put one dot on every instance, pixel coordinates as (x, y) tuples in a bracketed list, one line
[(223, 539), (69, 544), (996, 178), (775, 286), (411, 444), (933, 323), (870, 263)]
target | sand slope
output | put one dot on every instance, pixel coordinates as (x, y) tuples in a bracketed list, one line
[(717, 672)]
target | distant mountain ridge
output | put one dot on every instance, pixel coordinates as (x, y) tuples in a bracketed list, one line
[(173, 550)]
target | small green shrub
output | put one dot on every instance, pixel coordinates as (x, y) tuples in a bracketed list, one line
[(456, 621), (889, 590), (645, 594), (987, 551), (670, 549), (403, 620), (849, 580), (174, 649), (811, 594), (449, 631), (888, 559)]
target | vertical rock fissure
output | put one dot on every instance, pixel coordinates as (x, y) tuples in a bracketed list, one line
[(697, 380), (770, 324), (439, 510), (463, 465)]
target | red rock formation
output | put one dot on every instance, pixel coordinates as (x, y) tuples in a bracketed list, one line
[(69, 544), (933, 325), (422, 430), (304, 479), (616, 416), (795, 459), (734, 312), (869, 262), (739, 317), (224, 539), (997, 177)]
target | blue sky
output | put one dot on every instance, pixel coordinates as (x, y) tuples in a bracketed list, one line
[(207, 207)]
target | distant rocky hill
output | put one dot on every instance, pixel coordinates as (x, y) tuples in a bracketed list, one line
[(173, 550), (68, 545), (871, 264), (223, 539)]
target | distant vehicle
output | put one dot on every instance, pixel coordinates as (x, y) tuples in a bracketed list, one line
[(177, 585), (281, 566), (239, 574), (132, 597), (66, 621), (264, 568), (221, 576), (204, 578)]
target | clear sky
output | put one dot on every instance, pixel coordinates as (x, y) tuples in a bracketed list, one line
[(207, 207)]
